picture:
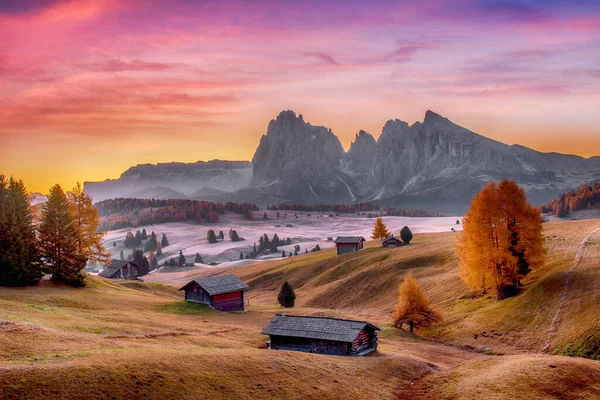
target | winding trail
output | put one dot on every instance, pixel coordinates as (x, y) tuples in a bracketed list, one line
[(553, 330)]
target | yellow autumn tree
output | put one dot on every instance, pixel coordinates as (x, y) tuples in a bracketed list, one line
[(413, 307), (502, 240), (85, 216), (380, 230)]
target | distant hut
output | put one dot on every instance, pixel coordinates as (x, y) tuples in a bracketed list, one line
[(120, 269), (221, 292), (331, 336), (348, 244), (392, 241)]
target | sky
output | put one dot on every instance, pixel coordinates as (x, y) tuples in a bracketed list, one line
[(89, 88)]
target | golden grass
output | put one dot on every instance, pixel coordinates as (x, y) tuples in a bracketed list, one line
[(123, 339)]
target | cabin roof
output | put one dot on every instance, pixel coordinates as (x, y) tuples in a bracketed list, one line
[(219, 284), (114, 266), (334, 329), (349, 239), (390, 238)]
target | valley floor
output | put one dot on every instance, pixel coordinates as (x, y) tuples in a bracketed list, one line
[(119, 339)]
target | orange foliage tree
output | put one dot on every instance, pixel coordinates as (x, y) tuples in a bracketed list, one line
[(502, 240), (413, 307), (380, 230)]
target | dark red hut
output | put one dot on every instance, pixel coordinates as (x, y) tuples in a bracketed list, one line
[(221, 292)]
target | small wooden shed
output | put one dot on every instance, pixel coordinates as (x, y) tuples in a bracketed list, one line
[(392, 241), (348, 244), (221, 292), (333, 336), (120, 269)]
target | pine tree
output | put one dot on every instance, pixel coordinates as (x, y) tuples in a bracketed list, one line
[(211, 237), (241, 255), (380, 230), (282, 253), (144, 234), (406, 235), (413, 307), (198, 259), (286, 296), (146, 265), (181, 260), (152, 243), (164, 241), (502, 240), (20, 263), (129, 241), (221, 235), (265, 216), (234, 236), (121, 255), (89, 244), (59, 240), (172, 262), (154, 264)]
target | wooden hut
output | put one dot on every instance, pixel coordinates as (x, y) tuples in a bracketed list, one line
[(120, 269), (331, 336), (221, 292), (348, 244), (392, 241)]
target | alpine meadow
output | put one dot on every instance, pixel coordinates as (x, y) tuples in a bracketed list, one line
[(256, 200)]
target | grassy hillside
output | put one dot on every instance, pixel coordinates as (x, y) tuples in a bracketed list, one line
[(118, 339), (366, 284)]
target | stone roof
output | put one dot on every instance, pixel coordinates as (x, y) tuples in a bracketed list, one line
[(219, 284), (334, 329), (349, 239)]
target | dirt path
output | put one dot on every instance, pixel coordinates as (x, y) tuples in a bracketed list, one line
[(553, 330)]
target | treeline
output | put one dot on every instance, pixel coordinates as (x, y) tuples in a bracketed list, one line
[(131, 212), (65, 238), (337, 208), (586, 197), (401, 212)]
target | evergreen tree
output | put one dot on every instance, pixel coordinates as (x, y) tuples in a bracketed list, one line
[(129, 241), (59, 240), (265, 216), (172, 262), (114, 244), (145, 265), (221, 235), (138, 259), (121, 255), (154, 264), (181, 261), (164, 241), (286, 296), (282, 253), (276, 240), (20, 263), (406, 235), (211, 237), (144, 234), (241, 255), (138, 239), (85, 215), (198, 259), (234, 236), (151, 244)]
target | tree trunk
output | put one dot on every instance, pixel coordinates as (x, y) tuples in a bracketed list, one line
[(412, 326)]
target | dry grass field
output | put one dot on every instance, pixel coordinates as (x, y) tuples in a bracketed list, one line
[(117, 339)]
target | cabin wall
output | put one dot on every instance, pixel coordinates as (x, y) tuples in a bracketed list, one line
[(228, 301), (346, 248), (309, 345), (196, 294), (365, 342)]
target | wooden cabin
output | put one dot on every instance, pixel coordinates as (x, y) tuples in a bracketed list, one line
[(221, 292), (348, 244), (392, 241), (120, 269), (340, 337)]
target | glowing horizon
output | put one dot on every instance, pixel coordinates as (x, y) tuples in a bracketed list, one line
[(90, 88)]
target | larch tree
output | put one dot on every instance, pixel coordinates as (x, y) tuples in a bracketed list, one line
[(413, 307), (502, 240), (20, 263), (59, 240), (85, 215), (380, 230)]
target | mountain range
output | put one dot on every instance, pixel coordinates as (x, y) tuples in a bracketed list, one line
[(431, 164)]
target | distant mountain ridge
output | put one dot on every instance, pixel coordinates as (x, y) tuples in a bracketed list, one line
[(174, 180), (433, 164)]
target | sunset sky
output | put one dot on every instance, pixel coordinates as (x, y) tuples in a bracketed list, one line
[(90, 88)]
